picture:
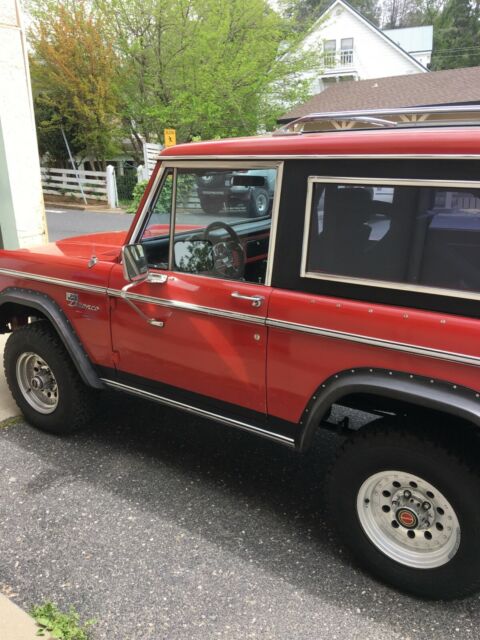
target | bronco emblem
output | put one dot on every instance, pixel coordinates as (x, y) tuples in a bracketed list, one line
[(73, 301)]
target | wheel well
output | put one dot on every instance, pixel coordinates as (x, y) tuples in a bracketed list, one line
[(14, 315), (442, 425), (393, 394), (20, 306)]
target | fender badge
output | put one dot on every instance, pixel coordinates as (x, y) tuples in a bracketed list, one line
[(73, 301)]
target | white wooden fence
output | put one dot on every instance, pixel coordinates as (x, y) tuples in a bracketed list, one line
[(151, 151), (95, 185)]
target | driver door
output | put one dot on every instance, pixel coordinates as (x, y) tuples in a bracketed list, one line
[(207, 345)]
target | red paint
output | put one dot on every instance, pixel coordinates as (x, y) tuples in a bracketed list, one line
[(260, 368), (434, 141)]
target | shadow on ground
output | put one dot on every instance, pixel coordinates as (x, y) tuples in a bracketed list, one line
[(244, 497)]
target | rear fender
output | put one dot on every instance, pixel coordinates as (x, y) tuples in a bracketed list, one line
[(399, 387)]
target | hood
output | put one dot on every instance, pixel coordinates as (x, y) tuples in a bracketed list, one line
[(106, 245)]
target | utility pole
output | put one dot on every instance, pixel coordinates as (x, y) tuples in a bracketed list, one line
[(22, 211)]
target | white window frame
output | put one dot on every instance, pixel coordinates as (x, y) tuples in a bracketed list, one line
[(214, 164), (384, 284)]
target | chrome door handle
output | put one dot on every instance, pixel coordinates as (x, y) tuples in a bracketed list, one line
[(255, 300)]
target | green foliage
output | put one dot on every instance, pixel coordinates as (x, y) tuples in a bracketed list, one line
[(10, 422), (457, 35), (204, 67), (138, 191), (73, 68), (64, 626)]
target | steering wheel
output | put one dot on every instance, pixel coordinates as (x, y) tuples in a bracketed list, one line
[(228, 255)]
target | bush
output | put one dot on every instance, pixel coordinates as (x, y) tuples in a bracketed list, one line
[(137, 195)]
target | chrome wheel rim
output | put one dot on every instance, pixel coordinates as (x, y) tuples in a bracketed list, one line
[(37, 382), (262, 204), (408, 519)]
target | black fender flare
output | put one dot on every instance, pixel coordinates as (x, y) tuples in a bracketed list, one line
[(429, 393), (50, 309)]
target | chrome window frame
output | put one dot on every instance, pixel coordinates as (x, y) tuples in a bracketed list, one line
[(239, 163), (384, 284)]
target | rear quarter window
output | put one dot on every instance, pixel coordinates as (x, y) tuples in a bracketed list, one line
[(413, 234)]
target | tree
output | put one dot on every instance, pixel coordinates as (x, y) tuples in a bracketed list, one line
[(409, 13), (204, 67), (73, 76), (457, 35), (306, 12)]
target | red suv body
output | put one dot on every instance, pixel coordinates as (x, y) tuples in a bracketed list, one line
[(360, 287)]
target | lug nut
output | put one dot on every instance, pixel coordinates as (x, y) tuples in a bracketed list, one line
[(407, 494), (426, 506)]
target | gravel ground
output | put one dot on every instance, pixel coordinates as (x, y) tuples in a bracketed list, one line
[(164, 526)]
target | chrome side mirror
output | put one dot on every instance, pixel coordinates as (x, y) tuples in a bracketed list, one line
[(134, 261)]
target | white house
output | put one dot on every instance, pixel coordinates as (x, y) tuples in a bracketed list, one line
[(355, 49)]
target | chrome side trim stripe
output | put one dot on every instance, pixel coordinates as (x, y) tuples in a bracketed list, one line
[(244, 426), (51, 280), (376, 342), (188, 306)]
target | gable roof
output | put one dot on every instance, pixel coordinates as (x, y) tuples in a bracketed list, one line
[(452, 86), (346, 5)]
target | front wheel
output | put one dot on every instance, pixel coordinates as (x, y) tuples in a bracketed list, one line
[(407, 507), (44, 381)]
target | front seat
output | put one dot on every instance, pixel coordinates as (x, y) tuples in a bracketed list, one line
[(342, 246)]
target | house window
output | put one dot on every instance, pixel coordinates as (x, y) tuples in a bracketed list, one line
[(329, 50), (346, 51)]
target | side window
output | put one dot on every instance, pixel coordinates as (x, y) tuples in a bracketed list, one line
[(420, 235), (156, 229), (222, 222)]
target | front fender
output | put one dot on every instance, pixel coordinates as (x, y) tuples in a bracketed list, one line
[(50, 309)]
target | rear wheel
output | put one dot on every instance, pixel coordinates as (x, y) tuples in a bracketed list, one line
[(407, 507), (259, 203), (44, 381)]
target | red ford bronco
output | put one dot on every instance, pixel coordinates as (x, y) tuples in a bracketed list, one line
[(358, 284)]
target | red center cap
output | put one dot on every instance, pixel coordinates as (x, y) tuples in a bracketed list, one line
[(407, 518)]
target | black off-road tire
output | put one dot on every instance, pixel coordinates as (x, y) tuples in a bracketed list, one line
[(259, 203), (376, 450), (75, 400)]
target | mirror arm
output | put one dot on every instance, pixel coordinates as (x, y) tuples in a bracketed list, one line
[(124, 296)]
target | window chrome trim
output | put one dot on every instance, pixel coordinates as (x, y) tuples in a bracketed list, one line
[(25, 275), (223, 163), (384, 284), (239, 424), (189, 306), (173, 219), (153, 191), (273, 227), (404, 347)]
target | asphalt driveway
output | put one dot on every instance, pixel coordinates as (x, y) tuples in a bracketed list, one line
[(164, 526)]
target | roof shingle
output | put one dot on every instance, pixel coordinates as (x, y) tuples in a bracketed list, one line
[(452, 86)]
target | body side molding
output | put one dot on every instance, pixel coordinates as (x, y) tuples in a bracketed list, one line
[(398, 386), (210, 415), (50, 309)]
